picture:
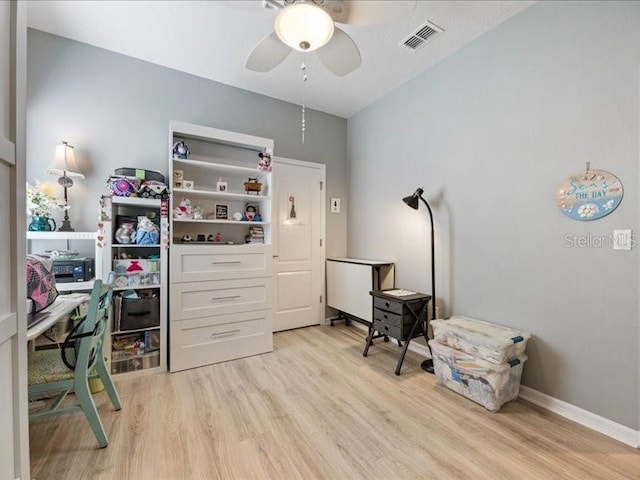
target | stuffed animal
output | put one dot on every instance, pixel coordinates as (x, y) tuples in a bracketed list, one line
[(147, 232), (180, 150), (183, 211), (250, 212), (265, 162)]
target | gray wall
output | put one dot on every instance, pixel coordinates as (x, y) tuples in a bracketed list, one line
[(490, 133), (116, 111)]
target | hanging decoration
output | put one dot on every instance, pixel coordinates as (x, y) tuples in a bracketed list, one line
[(589, 195), (292, 210)]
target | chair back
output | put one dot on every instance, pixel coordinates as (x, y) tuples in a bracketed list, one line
[(89, 343)]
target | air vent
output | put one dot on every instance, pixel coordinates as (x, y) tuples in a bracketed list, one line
[(422, 36)]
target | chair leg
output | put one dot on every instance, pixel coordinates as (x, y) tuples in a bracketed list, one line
[(105, 377), (89, 408)]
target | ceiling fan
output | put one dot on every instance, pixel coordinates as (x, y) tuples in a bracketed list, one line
[(309, 26)]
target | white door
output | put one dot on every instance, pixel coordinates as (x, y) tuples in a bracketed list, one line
[(13, 402), (298, 237)]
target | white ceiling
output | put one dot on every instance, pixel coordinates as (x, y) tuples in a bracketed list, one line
[(211, 40)]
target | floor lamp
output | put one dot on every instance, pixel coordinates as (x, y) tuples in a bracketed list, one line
[(413, 202), (64, 165)]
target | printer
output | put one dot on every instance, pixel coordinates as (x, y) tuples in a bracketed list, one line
[(69, 270)]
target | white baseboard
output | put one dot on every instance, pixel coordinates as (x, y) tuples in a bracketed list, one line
[(583, 417)]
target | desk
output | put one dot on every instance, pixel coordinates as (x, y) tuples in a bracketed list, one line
[(349, 281), (402, 317), (62, 306)]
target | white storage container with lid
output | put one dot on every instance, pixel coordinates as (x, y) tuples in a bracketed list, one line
[(485, 383), (493, 343)]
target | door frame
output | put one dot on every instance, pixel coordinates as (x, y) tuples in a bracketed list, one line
[(323, 222), (17, 137)]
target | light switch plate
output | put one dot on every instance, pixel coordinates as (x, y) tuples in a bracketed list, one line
[(622, 239), (335, 205)]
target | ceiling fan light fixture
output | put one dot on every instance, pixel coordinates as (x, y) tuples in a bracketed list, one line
[(304, 26)]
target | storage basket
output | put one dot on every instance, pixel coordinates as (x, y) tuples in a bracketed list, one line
[(485, 383), (252, 187), (139, 313), (140, 174), (493, 343)]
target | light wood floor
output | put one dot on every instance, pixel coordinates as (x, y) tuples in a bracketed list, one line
[(315, 408)]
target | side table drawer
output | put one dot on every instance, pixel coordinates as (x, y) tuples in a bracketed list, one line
[(393, 331), (391, 319), (388, 305)]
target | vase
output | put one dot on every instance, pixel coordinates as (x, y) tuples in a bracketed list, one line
[(41, 224)]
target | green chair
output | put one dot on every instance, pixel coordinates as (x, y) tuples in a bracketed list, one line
[(48, 373)]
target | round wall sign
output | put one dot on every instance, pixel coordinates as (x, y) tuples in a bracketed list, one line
[(589, 195)]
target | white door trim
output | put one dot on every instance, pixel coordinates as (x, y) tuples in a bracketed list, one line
[(7, 151), (323, 220), (8, 327)]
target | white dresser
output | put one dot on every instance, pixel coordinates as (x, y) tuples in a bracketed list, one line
[(220, 303)]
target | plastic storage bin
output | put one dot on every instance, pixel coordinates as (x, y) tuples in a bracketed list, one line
[(485, 383), (493, 343)]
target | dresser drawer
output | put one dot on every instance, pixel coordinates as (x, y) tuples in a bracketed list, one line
[(206, 299), (204, 341), (388, 305), (194, 263)]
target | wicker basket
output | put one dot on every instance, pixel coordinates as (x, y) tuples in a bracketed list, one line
[(252, 187)]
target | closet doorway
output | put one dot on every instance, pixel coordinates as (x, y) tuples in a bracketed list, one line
[(298, 243)]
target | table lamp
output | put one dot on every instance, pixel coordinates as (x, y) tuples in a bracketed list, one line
[(414, 201), (64, 165)]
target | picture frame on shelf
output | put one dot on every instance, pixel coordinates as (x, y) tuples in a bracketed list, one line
[(221, 186), (188, 184), (222, 211)]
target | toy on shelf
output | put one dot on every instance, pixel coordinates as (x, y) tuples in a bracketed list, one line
[(183, 211), (252, 186), (181, 150), (265, 162), (147, 232)]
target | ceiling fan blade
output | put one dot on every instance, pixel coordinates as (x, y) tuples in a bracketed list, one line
[(341, 55), (267, 54), (362, 12)]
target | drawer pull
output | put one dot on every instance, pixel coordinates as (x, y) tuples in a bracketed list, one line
[(224, 333), (232, 297), (230, 262)]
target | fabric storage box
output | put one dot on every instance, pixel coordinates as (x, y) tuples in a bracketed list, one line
[(493, 343), (491, 385), (138, 313), (140, 173)]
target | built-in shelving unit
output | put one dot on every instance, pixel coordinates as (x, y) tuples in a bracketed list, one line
[(220, 294), (137, 340)]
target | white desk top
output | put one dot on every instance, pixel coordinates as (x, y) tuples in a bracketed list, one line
[(360, 261), (62, 306)]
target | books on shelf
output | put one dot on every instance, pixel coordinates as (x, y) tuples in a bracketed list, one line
[(256, 235)]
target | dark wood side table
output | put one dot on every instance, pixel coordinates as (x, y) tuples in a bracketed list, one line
[(402, 317)]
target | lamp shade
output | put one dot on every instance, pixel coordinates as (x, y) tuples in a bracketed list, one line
[(64, 162), (304, 26), (412, 200)]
